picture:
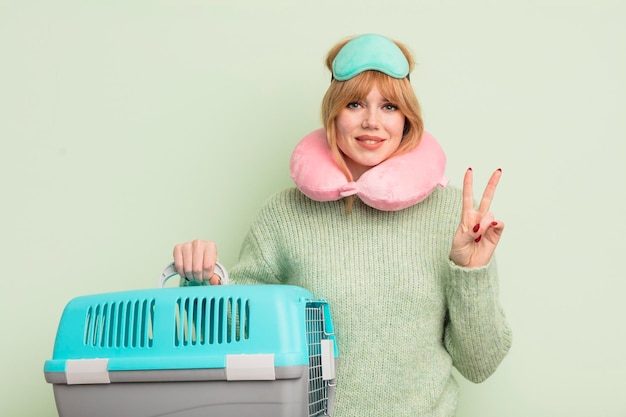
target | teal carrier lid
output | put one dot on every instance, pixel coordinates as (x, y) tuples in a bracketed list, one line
[(198, 327)]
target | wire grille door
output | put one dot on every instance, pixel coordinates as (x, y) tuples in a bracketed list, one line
[(321, 361)]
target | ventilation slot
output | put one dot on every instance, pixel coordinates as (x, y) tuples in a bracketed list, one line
[(207, 321), (120, 324)]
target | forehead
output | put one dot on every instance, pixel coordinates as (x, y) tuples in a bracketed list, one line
[(374, 84), (375, 95)]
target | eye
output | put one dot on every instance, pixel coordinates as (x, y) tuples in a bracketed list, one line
[(353, 105), (390, 107)]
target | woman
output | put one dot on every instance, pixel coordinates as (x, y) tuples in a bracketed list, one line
[(413, 292)]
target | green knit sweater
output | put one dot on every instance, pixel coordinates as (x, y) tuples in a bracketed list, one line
[(403, 313)]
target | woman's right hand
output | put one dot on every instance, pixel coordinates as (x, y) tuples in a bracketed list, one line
[(195, 261)]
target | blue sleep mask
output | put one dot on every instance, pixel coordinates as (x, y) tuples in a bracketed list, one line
[(370, 52)]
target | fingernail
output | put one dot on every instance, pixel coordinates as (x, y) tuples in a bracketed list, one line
[(500, 169), (478, 238), (469, 169), (494, 223), (475, 229)]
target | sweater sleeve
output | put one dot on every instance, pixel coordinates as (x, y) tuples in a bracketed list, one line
[(253, 266), (261, 258), (476, 333)]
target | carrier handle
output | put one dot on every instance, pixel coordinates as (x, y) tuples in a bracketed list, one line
[(170, 271)]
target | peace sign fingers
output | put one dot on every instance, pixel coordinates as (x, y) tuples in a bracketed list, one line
[(478, 233)]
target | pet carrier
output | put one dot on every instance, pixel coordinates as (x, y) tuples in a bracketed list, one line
[(223, 351)]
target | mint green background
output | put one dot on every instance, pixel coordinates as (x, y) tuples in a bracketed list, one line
[(129, 126)]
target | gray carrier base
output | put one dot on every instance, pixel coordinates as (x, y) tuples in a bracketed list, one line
[(185, 393)]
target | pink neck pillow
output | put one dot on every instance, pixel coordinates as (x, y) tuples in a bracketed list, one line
[(395, 184)]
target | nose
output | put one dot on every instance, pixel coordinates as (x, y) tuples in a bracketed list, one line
[(370, 119)]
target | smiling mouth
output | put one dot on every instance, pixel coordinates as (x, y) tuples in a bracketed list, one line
[(369, 140)]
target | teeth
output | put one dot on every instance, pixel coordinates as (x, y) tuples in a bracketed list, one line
[(370, 142)]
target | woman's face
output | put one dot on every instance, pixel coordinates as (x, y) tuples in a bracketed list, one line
[(368, 132)]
